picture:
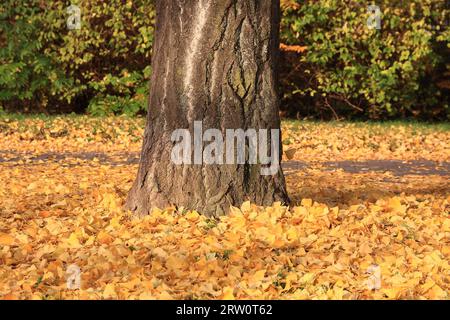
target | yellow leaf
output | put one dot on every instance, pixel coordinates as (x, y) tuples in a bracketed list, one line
[(165, 296), (227, 294), (291, 277), (6, 239), (446, 250), (306, 202), (307, 278), (110, 202), (159, 252), (436, 293), (146, 296), (258, 276), (246, 206), (427, 285), (90, 241), (446, 225), (396, 206), (73, 241), (176, 263), (110, 291), (192, 216), (104, 238), (393, 293), (337, 293), (115, 222), (235, 211), (292, 234)]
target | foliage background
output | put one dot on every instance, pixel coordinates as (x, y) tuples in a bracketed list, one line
[(332, 64)]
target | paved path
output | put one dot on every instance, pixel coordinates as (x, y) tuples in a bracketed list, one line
[(396, 167)]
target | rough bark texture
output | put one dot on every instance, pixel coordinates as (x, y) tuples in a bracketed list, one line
[(214, 61)]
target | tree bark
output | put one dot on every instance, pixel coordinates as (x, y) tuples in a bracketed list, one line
[(213, 61)]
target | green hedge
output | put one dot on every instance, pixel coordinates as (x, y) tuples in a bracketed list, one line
[(104, 65), (346, 70), (351, 69)]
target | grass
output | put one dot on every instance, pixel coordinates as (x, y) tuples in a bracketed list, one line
[(375, 125), (422, 126), (46, 117)]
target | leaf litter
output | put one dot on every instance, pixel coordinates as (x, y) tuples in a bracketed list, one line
[(342, 224)]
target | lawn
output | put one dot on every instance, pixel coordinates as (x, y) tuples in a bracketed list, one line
[(366, 195)]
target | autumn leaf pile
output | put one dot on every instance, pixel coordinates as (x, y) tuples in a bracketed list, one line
[(64, 180)]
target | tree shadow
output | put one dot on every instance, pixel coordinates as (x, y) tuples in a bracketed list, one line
[(338, 188)]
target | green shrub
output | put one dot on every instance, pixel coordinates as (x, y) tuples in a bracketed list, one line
[(352, 69), (104, 64), (24, 69), (346, 70), (131, 100)]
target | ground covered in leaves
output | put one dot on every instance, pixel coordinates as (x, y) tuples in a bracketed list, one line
[(366, 195)]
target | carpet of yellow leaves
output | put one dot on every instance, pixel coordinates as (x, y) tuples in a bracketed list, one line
[(359, 141), (58, 212)]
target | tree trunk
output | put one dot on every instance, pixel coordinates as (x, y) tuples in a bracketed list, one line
[(214, 61)]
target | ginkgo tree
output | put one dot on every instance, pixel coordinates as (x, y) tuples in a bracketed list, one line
[(214, 68)]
